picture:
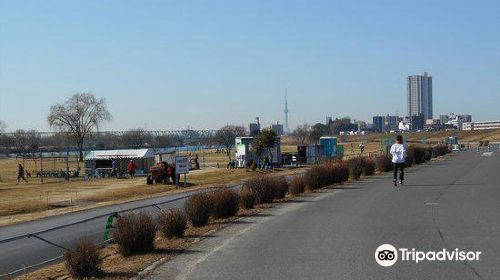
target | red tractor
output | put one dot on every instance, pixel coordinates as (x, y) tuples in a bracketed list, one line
[(162, 173)]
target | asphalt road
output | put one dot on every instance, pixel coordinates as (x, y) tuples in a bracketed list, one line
[(449, 204)]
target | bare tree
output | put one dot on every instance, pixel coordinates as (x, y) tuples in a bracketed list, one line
[(5, 141), (302, 132), (226, 137), (136, 138), (3, 126), (79, 115), (27, 143)]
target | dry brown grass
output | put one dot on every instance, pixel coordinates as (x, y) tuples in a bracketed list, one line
[(19, 203)]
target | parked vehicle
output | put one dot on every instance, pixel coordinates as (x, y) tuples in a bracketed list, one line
[(162, 172)]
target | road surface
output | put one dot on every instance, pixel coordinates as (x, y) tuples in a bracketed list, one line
[(449, 204)]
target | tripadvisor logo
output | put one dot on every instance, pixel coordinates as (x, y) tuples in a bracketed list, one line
[(387, 255)]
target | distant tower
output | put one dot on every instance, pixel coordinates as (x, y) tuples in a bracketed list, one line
[(287, 128)]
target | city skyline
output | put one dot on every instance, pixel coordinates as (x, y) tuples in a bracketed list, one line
[(207, 65)]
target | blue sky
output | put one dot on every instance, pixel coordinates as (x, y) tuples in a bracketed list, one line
[(205, 64)]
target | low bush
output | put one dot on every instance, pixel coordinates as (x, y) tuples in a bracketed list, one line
[(172, 223), (297, 185), (325, 175), (198, 208), (356, 167), (318, 176), (417, 154), (360, 166), (225, 203), (83, 260), (280, 187), (440, 150), (135, 233), (368, 166), (341, 172), (428, 154), (262, 189), (247, 199), (384, 163)]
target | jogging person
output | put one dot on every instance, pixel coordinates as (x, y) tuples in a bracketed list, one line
[(398, 152), (20, 174)]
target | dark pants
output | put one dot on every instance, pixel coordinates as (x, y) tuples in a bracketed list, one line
[(399, 166)]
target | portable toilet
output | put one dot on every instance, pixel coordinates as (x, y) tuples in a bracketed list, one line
[(330, 145)]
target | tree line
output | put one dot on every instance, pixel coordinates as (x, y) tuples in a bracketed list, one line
[(77, 121)]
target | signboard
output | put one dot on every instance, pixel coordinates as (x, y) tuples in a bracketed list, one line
[(182, 165)]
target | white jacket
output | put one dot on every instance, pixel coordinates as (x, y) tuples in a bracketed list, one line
[(398, 152)]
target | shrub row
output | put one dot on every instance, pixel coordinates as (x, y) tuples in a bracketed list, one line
[(384, 163), (440, 150), (325, 175), (418, 154), (297, 185), (415, 155), (135, 233), (360, 166), (172, 223)]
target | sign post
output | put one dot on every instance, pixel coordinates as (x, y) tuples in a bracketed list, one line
[(181, 167)]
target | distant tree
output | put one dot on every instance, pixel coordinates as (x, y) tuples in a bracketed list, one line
[(136, 138), (266, 141), (343, 124), (268, 138), (5, 140), (257, 147), (79, 115), (336, 126), (346, 121), (315, 135), (302, 132), (27, 143), (164, 141), (226, 137), (317, 131)]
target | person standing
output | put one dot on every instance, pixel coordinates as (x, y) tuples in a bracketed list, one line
[(398, 152), (131, 169), (362, 147), (20, 174)]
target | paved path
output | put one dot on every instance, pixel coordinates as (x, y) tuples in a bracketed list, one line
[(453, 203)]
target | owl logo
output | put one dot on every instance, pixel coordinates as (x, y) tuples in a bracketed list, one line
[(385, 255)]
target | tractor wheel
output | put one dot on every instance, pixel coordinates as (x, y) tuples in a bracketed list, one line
[(149, 180)]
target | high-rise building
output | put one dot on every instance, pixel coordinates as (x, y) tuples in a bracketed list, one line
[(255, 127), (379, 123), (278, 129), (391, 123), (420, 96)]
